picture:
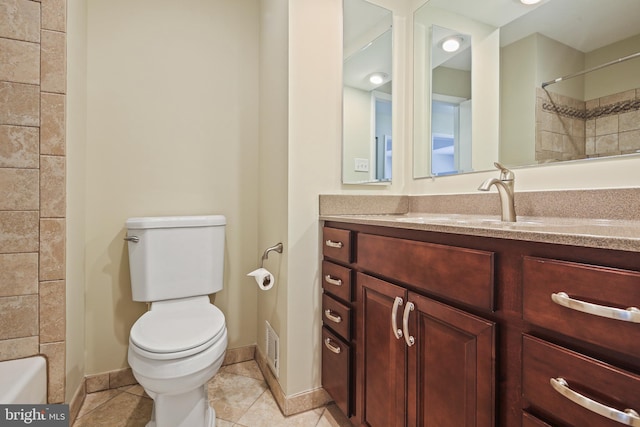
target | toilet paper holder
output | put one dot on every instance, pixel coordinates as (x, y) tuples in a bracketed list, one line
[(265, 255)]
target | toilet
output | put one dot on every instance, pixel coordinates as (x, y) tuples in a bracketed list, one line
[(177, 346)]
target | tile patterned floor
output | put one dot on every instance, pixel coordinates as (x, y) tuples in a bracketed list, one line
[(238, 393)]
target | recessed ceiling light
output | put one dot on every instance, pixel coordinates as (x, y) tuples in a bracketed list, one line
[(451, 44), (529, 2), (377, 78)]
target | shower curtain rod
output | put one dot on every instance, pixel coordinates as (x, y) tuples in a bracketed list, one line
[(579, 73)]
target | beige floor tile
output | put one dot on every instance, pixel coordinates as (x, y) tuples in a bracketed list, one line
[(137, 389), (232, 395), (124, 410), (238, 393), (333, 417), (94, 400), (265, 413), (247, 369)]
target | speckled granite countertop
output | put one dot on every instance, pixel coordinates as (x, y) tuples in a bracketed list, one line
[(607, 234), (622, 233)]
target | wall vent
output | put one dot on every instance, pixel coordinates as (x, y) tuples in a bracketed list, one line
[(273, 349)]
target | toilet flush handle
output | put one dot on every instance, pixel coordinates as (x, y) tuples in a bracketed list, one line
[(134, 239)]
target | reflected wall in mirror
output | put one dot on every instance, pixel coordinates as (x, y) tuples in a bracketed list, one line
[(366, 103), (450, 101), (584, 115), (455, 102)]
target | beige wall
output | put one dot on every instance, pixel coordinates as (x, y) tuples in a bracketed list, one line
[(314, 168), (172, 129), (524, 65), (32, 184), (273, 166), (76, 193), (617, 78), (517, 100), (358, 131)]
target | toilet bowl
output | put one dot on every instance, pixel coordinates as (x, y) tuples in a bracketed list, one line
[(177, 346), (174, 350)]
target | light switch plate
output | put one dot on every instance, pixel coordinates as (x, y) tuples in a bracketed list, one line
[(361, 165)]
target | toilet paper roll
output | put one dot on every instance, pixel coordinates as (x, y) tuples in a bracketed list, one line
[(264, 278)]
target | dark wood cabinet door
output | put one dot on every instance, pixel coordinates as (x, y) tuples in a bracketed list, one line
[(451, 367), (381, 363)]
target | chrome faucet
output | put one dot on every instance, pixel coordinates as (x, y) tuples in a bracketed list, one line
[(505, 189)]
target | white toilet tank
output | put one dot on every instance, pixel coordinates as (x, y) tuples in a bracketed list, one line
[(175, 256)]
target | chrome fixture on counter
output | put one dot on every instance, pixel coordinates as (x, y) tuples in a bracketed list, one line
[(505, 186)]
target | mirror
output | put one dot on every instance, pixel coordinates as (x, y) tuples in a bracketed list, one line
[(463, 84), (450, 101), (577, 115), (366, 102)]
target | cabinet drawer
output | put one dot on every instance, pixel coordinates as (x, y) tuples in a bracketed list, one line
[(544, 363), (336, 371), (599, 286), (336, 244), (459, 274), (336, 280), (529, 420), (336, 316)]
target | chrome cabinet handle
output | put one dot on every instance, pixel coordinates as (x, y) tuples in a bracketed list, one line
[(333, 244), (628, 417), (405, 324), (134, 239), (631, 314), (330, 346), (397, 332), (332, 281), (333, 317)]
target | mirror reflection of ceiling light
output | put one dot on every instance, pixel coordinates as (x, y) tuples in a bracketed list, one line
[(377, 78), (529, 2), (451, 44)]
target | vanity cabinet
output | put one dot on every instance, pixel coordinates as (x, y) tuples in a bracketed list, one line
[(435, 370), (337, 325), (586, 372), (455, 330), (418, 361), (424, 362)]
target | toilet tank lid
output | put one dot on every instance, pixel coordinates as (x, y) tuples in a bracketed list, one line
[(175, 221)]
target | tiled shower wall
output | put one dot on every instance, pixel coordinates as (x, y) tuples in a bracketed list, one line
[(32, 184), (569, 129)]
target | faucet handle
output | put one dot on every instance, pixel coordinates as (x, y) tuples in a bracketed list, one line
[(505, 174)]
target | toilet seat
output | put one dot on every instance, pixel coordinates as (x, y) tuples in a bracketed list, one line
[(176, 333)]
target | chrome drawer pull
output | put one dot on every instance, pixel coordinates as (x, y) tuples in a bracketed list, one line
[(628, 417), (333, 348), (405, 325), (397, 332), (333, 244), (631, 314), (332, 317), (330, 280)]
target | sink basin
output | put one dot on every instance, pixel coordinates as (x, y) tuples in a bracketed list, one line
[(531, 224), (470, 221)]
